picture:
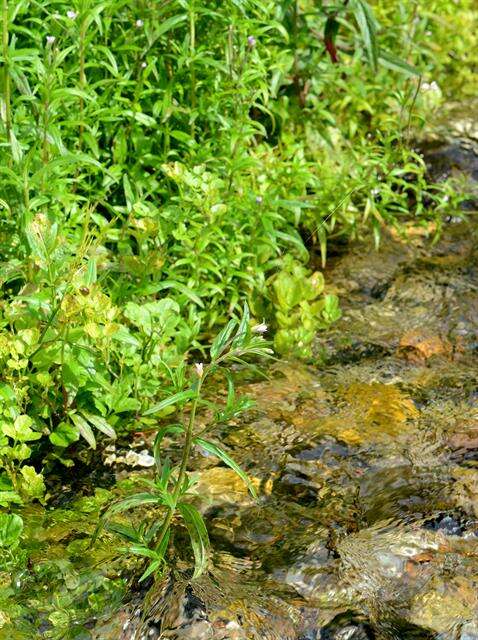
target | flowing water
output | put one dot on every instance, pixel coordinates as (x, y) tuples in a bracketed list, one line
[(367, 467)]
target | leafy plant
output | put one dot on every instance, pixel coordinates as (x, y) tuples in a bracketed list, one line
[(172, 487), (300, 309)]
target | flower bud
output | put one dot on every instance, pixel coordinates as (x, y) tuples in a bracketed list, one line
[(199, 367), (259, 328)]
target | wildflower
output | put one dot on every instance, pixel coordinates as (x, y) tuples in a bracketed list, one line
[(199, 367), (259, 199), (144, 65), (139, 23), (259, 328), (71, 14), (431, 86), (50, 39), (251, 41)]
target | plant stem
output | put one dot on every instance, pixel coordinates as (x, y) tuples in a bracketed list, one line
[(192, 51), (184, 463), (82, 77), (6, 67), (295, 30)]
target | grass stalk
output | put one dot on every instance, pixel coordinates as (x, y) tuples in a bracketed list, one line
[(6, 68), (82, 79), (192, 52)]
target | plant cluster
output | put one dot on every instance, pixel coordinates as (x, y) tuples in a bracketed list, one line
[(161, 164)]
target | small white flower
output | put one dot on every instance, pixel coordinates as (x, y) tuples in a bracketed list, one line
[(144, 65), (50, 39), (139, 23), (199, 367), (71, 14), (259, 328), (259, 199)]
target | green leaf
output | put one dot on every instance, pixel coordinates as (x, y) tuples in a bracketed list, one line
[(100, 423), (397, 64), (178, 286), (32, 484), (141, 550), (11, 527), (198, 536), (17, 153), (243, 330), (169, 24), (21, 429), (64, 435), (160, 555), (220, 341), (84, 428), (181, 396), (136, 500), (7, 497), (210, 447), (91, 276), (154, 566), (368, 28)]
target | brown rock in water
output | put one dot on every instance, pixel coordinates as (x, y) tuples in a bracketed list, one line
[(417, 346)]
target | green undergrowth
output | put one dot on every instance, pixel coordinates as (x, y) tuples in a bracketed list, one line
[(161, 164)]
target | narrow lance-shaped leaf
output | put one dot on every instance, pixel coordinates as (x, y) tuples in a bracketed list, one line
[(222, 338), (198, 536), (368, 28), (100, 423), (84, 428), (243, 329), (160, 553), (222, 455), (136, 500), (390, 61), (181, 396)]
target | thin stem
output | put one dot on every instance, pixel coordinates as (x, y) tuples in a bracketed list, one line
[(295, 30), (192, 52), (82, 77), (184, 463), (6, 67)]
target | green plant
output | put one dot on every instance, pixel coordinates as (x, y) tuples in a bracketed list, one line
[(299, 310), (172, 487)]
